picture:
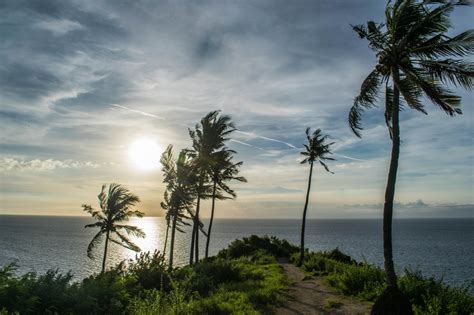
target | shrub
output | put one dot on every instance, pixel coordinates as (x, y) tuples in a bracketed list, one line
[(364, 281), (248, 246), (431, 296), (149, 270)]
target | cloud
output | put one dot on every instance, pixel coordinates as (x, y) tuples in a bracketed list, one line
[(14, 164), (275, 67), (59, 26)]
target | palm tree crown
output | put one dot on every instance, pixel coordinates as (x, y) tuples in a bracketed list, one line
[(415, 54), (224, 170), (316, 149), (115, 203)]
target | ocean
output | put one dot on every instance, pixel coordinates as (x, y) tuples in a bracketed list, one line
[(438, 247)]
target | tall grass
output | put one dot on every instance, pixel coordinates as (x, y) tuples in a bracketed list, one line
[(365, 281)]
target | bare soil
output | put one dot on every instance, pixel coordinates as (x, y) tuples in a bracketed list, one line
[(309, 295)]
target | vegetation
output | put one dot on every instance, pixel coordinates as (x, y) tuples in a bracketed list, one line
[(367, 282), (115, 202), (247, 285), (244, 278), (414, 61), (315, 151)]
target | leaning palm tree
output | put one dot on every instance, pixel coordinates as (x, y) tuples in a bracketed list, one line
[(180, 192), (316, 150), (209, 136), (115, 203), (223, 170), (415, 63)]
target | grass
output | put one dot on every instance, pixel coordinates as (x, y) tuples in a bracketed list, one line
[(333, 304), (366, 282)]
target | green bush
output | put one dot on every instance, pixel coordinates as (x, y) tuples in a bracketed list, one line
[(149, 270), (248, 246)]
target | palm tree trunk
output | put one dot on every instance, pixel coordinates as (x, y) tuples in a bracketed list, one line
[(173, 232), (193, 234), (196, 237), (105, 251), (303, 225), (166, 237), (390, 189), (212, 218)]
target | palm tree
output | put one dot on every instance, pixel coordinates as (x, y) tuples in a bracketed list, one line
[(115, 203), (209, 136), (223, 170), (414, 62), (315, 151), (180, 192)]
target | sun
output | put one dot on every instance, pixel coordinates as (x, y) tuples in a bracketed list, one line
[(145, 154)]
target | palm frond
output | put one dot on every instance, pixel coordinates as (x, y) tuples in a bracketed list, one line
[(131, 230), (124, 241), (95, 240), (354, 119), (457, 72), (369, 90), (440, 96)]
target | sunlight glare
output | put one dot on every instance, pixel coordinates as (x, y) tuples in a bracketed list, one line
[(145, 154)]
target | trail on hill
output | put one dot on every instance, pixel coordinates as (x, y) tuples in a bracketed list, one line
[(309, 295)]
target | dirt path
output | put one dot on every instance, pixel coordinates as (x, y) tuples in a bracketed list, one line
[(309, 295)]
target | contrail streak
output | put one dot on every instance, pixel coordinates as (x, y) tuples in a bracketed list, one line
[(137, 111), (247, 144), (265, 138), (349, 158)]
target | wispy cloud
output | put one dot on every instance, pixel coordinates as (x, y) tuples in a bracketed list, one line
[(59, 26), (15, 164)]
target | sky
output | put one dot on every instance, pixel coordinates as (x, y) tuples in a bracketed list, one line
[(81, 81)]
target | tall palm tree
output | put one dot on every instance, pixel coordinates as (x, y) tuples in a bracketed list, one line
[(180, 192), (316, 150), (209, 136), (223, 170), (415, 62), (115, 203)]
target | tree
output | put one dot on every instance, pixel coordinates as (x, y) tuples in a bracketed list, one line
[(180, 192), (208, 137), (414, 64), (223, 170), (316, 150), (115, 203)]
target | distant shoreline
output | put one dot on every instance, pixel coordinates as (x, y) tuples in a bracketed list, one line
[(254, 219)]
